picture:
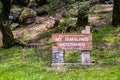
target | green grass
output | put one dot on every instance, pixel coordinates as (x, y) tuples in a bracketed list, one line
[(106, 45), (19, 63), (19, 66)]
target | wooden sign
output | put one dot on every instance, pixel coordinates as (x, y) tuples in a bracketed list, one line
[(72, 41), (63, 42)]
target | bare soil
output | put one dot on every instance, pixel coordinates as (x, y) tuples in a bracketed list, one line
[(32, 31)]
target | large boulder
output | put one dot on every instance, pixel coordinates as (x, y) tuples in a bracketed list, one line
[(27, 16), (14, 14)]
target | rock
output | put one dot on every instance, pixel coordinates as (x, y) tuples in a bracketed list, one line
[(14, 14), (14, 25), (53, 23), (27, 16), (42, 10)]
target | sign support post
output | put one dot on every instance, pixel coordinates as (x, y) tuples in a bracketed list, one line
[(57, 56), (85, 56)]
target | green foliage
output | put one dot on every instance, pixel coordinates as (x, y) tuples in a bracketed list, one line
[(75, 11), (27, 64), (19, 63), (69, 56), (69, 21), (106, 46), (43, 10), (82, 7), (55, 5), (112, 37)]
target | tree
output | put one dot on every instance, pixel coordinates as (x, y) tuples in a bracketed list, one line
[(82, 19), (83, 12), (7, 36), (116, 13)]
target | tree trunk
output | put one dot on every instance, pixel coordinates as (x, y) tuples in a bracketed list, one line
[(83, 12), (7, 36), (82, 19), (116, 13)]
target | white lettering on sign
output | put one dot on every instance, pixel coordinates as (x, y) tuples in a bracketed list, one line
[(71, 38), (71, 44), (77, 39), (57, 39)]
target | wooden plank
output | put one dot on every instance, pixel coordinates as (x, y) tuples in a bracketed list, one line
[(71, 37)]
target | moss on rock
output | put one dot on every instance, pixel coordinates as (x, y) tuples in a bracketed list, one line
[(27, 16)]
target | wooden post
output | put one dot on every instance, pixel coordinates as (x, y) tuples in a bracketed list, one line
[(85, 57), (57, 57)]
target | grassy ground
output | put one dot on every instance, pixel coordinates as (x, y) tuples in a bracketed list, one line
[(19, 63)]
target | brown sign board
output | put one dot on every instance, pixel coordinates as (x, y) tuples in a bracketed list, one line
[(72, 41), (71, 38)]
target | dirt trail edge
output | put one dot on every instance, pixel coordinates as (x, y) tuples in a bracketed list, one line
[(32, 30)]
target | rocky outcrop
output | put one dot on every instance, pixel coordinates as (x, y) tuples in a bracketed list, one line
[(14, 14), (27, 16)]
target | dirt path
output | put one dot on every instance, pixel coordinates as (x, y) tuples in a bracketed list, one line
[(42, 25), (31, 31)]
